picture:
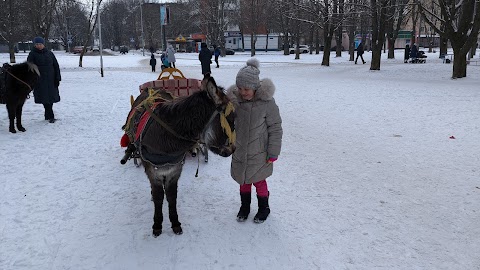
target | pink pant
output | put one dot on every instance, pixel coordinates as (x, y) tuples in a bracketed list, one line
[(261, 186)]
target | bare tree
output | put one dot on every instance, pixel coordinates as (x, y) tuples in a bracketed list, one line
[(253, 19), (328, 29), (378, 14), (461, 25), (90, 26), (11, 24), (41, 14), (68, 18), (119, 23), (213, 20), (395, 19), (339, 17)]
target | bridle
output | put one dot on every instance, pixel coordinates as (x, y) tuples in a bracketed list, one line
[(223, 121), (7, 71)]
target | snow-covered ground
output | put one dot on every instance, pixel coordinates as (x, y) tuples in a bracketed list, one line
[(368, 178)]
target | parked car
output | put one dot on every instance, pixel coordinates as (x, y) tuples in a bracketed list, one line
[(332, 49), (77, 49), (229, 52), (95, 49), (303, 49)]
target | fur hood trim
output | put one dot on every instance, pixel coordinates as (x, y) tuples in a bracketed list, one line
[(264, 92)]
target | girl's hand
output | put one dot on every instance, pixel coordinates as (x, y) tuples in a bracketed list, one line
[(271, 159)]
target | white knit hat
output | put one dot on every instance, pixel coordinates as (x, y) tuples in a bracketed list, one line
[(247, 77)]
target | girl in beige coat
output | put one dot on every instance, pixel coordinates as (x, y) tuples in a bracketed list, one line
[(259, 137)]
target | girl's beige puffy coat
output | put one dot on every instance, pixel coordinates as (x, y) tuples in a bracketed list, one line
[(259, 134)]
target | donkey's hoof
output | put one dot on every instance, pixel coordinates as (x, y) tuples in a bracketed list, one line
[(157, 232), (22, 129), (177, 230)]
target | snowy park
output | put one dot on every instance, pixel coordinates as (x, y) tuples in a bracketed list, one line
[(378, 170)]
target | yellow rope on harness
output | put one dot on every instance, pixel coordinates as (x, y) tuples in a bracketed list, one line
[(232, 136), (153, 95)]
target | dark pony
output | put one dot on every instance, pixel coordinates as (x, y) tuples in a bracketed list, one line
[(204, 117), (17, 82)]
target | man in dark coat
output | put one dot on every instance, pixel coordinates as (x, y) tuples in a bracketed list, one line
[(407, 53), (205, 57), (360, 52), (414, 52), (46, 89)]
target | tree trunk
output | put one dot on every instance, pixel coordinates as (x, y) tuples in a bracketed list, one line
[(338, 40), (351, 45), (376, 56), (391, 48), (285, 44), (252, 45), (266, 45), (11, 50), (443, 45), (297, 51), (459, 64), (326, 51)]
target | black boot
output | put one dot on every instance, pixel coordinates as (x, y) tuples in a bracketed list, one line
[(245, 208), (263, 210)]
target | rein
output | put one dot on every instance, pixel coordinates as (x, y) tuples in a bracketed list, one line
[(165, 126), (29, 87)]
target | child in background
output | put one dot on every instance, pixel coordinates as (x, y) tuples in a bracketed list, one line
[(153, 62), (259, 137)]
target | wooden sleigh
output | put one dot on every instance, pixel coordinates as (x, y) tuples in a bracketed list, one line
[(170, 84)]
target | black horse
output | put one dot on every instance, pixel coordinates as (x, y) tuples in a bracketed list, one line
[(17, 82), (205, 117)]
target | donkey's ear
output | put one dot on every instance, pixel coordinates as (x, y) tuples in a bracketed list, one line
[(209, 85)]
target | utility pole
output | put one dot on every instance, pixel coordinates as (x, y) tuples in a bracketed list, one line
[(141, 25), (100, 41)]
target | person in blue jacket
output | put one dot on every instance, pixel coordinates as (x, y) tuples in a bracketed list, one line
[(217, 53)]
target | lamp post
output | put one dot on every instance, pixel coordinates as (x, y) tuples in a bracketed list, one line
[(100, 47), (141, 25)]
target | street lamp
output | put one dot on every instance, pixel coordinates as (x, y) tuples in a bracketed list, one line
[(100, 47), (141, 25)]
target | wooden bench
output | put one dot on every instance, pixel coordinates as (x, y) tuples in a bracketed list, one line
[(473, 61), (446, 56)]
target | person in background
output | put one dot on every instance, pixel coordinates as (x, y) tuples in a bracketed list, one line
[(171, 55), (164, 60), (414, 52), (407, 53), (205, 57), (360, 52), (46, 90), (259, 137), (217, 53), (153, 62)]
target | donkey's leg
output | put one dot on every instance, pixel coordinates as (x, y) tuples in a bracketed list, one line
[(171, 188), (11, 116), (156, 184), (18, 114), (157, 197)]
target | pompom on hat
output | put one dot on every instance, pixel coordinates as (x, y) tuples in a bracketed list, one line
[(38, 40), (247, 77)]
